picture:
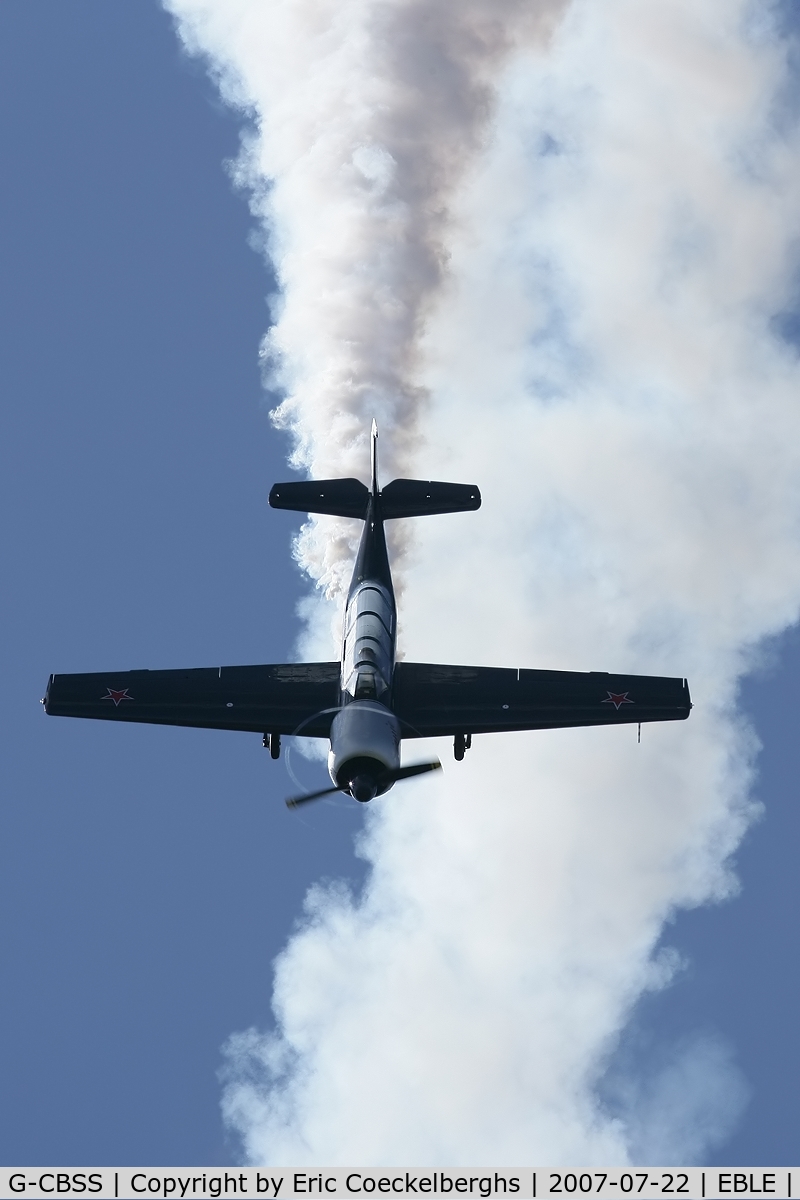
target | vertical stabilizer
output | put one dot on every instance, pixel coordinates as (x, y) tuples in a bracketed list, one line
[(374, 457)]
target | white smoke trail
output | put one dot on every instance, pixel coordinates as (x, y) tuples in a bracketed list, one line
[(368, 115), (599, 356)]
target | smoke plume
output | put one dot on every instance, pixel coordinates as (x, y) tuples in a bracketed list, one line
[(367, 117), (548, 247)]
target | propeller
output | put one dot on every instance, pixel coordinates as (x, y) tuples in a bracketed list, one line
[(365, 787)]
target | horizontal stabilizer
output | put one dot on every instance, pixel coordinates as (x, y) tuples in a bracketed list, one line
[(334, 497), (350, 497), (421, 498)]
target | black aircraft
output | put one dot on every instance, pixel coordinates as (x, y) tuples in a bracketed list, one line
[(367, 702)]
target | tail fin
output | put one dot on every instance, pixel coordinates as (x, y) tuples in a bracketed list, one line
[(374, 457)]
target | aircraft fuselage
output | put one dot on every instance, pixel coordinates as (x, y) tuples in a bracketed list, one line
[(365, 733)]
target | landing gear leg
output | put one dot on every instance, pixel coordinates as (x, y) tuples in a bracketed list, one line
[(461, 743), (272, 742)]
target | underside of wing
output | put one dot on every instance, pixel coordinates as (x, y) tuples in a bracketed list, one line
[(287, 698), (432, 700)]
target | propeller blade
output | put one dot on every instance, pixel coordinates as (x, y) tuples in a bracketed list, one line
[(296, 801), (414, 769), (388, 777)]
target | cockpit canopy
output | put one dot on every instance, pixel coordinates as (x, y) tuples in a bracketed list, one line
[(368, 643)]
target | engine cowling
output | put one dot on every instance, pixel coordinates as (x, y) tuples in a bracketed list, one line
[(365, 747)]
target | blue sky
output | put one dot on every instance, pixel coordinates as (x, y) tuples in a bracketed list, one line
[(151, 875)]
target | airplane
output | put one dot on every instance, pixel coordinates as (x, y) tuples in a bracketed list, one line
[(366, 703)]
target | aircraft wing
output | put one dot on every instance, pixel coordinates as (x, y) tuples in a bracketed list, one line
[(431, 700), (287, 698)]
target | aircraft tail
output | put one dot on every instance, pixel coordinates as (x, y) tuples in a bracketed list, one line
[(350, 498)]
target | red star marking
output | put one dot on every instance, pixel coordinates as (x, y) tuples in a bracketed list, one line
[(617, 699), (117, 697)]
